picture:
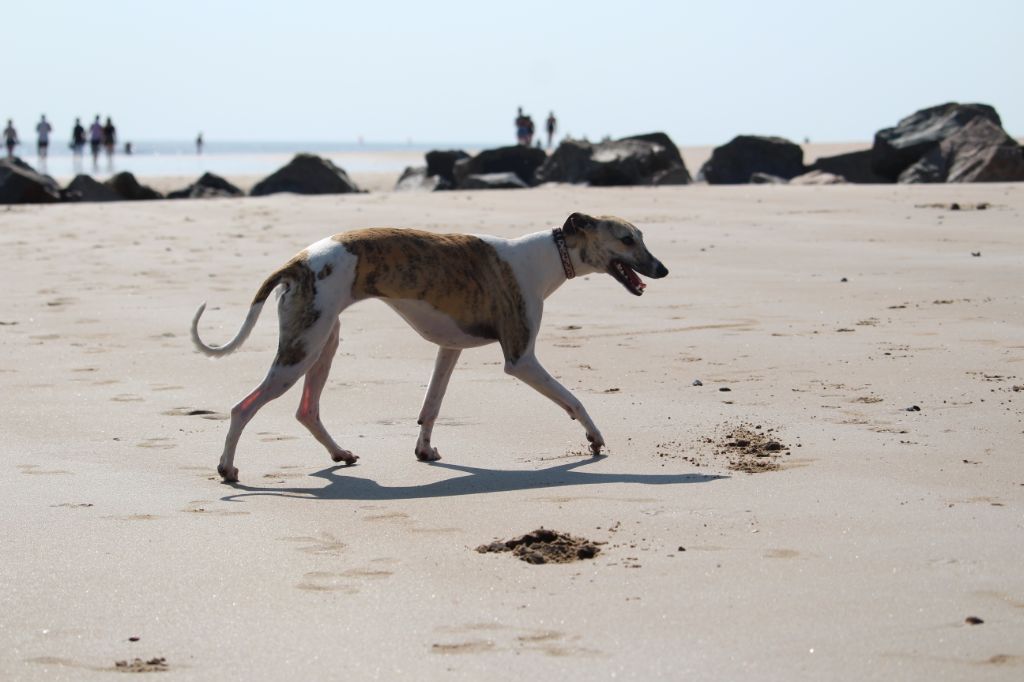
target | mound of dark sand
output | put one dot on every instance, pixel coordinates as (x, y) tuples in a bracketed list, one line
[(544, 546), (750, 449)]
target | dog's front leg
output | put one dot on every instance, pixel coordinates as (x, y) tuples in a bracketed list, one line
[(529, 370), (443, 366)]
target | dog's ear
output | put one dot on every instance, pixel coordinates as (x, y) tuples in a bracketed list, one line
[(578, 222)]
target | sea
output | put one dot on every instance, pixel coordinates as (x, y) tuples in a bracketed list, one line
[(171, 158)]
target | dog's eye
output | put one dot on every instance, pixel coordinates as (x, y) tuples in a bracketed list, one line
[(627, 240)]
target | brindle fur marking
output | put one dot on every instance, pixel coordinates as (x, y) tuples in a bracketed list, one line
[(296, 308), (459, 275)]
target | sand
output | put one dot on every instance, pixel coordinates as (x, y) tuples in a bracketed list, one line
[(827, 312)]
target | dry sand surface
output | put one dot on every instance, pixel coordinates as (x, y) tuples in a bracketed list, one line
[(854, 548)]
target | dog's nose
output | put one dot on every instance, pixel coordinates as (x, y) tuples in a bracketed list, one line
[(661, 271)]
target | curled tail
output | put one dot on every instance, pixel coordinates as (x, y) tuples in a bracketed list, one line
[(284, 274)]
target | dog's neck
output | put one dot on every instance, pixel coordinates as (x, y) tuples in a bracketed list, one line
[(563, 253)]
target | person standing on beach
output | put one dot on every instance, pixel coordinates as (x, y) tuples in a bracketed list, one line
[(522, 128), (43, 129), (10, 138), (552, 125), (199, 143), (95, 140), (109, 140), (77, 138)]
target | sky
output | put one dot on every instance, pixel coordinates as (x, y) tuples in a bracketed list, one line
[(454, 72)]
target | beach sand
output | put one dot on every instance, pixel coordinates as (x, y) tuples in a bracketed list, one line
[(855, 551)]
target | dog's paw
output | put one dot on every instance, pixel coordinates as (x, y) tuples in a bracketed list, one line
[(427, 454), (229, 474), (344, 456), (596, 443)]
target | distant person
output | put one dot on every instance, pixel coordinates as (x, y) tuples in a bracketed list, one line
[(109, 140), (199, 143), (77, 138), (43, 129), (552, 125), (522, 128), (10, 138), (127, 148), (529, 130), (95, 140)]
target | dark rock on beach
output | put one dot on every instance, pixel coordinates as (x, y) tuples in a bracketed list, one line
[(896, 149), (129, 189), (441, 163), (87, 188), (981, 151), (523, 161), (306, 174), (208, 186), (650, 159), (493, 181), (21, 184), (852, 167), (735, 162)]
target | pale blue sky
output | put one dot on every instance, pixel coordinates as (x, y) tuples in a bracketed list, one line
[(436, 71)]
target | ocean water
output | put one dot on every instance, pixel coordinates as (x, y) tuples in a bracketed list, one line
[(170, 158)]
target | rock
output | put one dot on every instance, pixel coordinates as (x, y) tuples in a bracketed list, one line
[(744, 155), (306, 174), (523, 161), (981, 151), (852, 167), (128, 188), (21, 184), (493, 181), (897, 148), (760, 178), (417, 179), (442, 163), (87, 188), (818, 177), (209, 186), (650, 159)]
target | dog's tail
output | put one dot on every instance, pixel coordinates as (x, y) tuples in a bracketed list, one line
[(284, 274)]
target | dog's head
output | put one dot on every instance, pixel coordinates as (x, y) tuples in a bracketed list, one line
[(612, 245)]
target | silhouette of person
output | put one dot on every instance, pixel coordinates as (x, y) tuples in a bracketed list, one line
[(522, 128), (95, 140), (552, 125), (10, 138), (109, 140), (199, 143), (43, 129), (77, 138)]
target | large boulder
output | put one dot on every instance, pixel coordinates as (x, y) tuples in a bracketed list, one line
[(493, 181), (128, 188), (897, 148), (87, 188), (208, 186), (306, 174), (733, 163), (650, 159), (980, 151), (21, 184), (416, 178), (441, 163), (523, 161), (852, 167)]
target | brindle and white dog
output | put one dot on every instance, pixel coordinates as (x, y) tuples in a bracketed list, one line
[(458, 291)]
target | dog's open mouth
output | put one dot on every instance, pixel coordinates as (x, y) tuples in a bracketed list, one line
[(629, 279)]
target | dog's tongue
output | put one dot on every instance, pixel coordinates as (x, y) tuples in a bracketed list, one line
[(635, 280)]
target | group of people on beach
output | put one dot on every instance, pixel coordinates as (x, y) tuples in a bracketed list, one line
[(525, 129), (99, 136)]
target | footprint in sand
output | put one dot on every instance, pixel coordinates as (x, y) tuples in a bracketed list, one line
[(779, 553), (195, 412), (35, 469), (518, 640), (127, 398), (133, 517), (157, 444), (206, 507), (323, 581), (324, 544)]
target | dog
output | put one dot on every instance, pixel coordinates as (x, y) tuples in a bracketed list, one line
[(456, 290)]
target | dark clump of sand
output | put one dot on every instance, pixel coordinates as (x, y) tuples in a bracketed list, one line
[(750, 449), (137, 665), (544, 546)]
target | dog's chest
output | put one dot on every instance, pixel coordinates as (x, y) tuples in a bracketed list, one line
[(434, 325)]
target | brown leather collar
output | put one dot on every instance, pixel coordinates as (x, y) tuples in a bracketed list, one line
[(563, 252)]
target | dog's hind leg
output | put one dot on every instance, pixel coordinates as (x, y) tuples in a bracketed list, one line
[(309, 407), (529, 370), (443, 366)]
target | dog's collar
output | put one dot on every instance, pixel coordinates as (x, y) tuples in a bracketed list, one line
[(563, 252)]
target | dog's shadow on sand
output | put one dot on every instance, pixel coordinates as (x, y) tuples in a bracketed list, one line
[(477, 481)]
